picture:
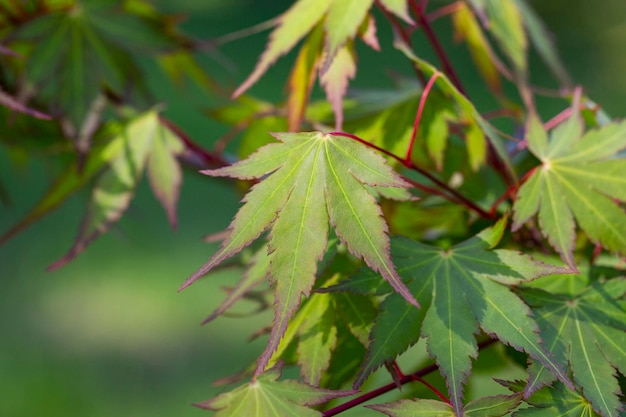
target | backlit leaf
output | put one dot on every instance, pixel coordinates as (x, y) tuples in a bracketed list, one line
[(504, 21), (462, 289), (315, 179), (467, 27), (266, 396), (399, 8), (342, 23), (587, 330), (127, 157), (293, 25), (578, 181), (335, 81)]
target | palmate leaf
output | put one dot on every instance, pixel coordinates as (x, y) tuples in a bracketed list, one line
[(266, 396), (87, 45), (579, 177), (143, 141), (462, 289), (493, 406), (553, 401), (315, 179), (587, 330), (340, 21)]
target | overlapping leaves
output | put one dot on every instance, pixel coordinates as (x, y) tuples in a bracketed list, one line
[(579, 181), (315, 179), (82, 46), (462, 289), (141, 145), (267, 396), (588, 331), (341, 21)]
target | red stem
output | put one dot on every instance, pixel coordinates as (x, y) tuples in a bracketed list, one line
[(404, 34), (510, 191), (434, 390), (418, 116), (458, 197), (211, 159), (415, 376), (434, 41)]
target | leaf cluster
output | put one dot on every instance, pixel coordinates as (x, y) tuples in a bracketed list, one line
[(378, 217)]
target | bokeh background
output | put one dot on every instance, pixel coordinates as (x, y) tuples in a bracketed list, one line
[(107, 335)]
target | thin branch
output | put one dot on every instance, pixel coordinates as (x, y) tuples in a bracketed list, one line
[(418, 116), (436, 44), (458, 197), (404, 34), (415, 376)]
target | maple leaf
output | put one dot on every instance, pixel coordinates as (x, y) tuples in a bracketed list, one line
[(142, 142), (265, 396), (461, 289), (588, 331), (579, 177), (315, 179), (553, 401), (493, 406)]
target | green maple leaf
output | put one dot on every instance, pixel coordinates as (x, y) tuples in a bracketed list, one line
[(588, 331), (493, 406), (267, 397), (462, 289), (79, 47), (144, 144), (553, 401), (315, 179), (579, 177)]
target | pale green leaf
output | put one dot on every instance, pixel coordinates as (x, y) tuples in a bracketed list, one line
[(414, 408), (576, 183), (164, 171), (467, 27), (493, 406), (335, 80), (342, 23), (266, 396), (293, 25), (114, 190), (588, 331), (316, 179), (504, 21), (399, 8)]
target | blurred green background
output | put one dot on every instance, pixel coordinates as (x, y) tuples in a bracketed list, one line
[(107, 335)]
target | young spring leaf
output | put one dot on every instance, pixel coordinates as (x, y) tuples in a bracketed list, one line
[(580, 177), (314, 179), (588, 331), (461, 290), (266, 396)]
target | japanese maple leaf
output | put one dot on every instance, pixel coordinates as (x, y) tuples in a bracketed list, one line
[(461, 289), (267, 397), (308, 181), (580, 177), (553, 401), (588, 330), (494, 406)]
